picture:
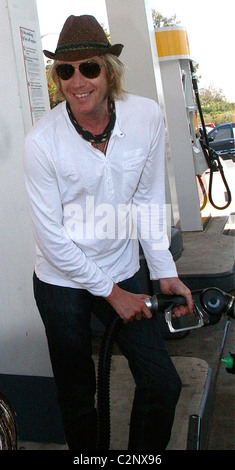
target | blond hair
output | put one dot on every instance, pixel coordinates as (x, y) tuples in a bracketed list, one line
[(115, 76)]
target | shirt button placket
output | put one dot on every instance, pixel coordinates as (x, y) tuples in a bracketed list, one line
[(109, 180)]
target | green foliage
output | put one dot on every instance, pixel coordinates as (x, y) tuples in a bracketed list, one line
[(215, 107), (51, 90)]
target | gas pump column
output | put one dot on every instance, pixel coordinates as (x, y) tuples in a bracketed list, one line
[(185, 150)]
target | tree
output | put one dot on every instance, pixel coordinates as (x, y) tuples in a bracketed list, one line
[(161, 21), (215, 107)]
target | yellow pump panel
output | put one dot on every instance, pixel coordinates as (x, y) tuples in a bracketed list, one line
[(172, 43)]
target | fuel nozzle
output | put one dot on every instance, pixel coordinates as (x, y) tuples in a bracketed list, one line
[(208, 309), (163, 303), (159, 303), (230, 363)]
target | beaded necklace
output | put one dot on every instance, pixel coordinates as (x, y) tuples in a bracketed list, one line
[(95, 139)]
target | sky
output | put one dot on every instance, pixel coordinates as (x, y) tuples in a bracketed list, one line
[(209, 25)]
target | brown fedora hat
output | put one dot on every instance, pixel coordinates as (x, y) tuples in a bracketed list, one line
[(82, 37)]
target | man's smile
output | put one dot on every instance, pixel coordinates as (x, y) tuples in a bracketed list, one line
[(83, 95)]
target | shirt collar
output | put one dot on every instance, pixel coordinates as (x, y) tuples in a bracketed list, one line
[(117, 130)]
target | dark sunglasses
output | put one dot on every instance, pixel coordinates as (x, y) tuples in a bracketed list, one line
[(87, 69)]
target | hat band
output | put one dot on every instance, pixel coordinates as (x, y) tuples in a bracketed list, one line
[(82, 46)]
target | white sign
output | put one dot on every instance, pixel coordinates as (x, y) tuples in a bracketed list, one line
[(33, 73)]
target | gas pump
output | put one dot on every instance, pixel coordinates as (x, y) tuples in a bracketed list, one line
[(188, 149), (211, 155), (186, 152)]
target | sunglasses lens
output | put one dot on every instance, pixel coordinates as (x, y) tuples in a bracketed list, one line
[(65, 71), (90, 69), (87, 69)]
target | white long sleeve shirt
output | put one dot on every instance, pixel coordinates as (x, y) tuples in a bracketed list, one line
[(81, 200)]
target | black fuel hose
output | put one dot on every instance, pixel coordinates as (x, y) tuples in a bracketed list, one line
[(212, 158), (220, 169), (103, 383)]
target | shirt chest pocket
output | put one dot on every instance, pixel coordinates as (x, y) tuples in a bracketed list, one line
[(132, 166)]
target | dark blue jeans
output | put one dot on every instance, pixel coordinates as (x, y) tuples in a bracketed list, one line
[(66, 314)]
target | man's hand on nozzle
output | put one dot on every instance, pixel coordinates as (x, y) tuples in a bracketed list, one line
[(174, 286), (128, 306)]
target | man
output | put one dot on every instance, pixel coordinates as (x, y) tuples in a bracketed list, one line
[(100, 152)]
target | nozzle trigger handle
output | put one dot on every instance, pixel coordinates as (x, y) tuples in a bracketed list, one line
[(166, 301), (178, 300)]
